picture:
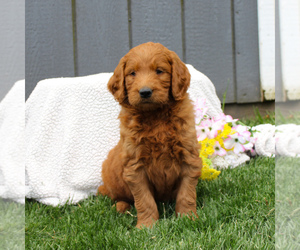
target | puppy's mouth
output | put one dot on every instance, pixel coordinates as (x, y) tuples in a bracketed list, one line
[(146, 101), (147, 105)]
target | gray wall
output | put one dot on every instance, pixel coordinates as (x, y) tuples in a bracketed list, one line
[(77, 37), (12, 44)]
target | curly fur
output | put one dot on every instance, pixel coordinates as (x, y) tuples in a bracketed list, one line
[(157, 157)]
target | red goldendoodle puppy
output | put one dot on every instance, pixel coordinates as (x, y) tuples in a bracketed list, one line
[(157, 157)]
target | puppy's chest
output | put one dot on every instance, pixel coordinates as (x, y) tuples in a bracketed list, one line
[(159, 145), (158, 149), (157, 140)]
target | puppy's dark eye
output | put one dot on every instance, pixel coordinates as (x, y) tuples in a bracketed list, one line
[(158, 71), (132, 73)]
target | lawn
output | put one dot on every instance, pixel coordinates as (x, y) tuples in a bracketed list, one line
[(12, 221), (287, 193), (236, 211), (287, 203)]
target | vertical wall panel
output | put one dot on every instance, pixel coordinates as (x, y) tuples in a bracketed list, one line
[(102, 35), (266, 29), (209, 45), (49, 41), (157, 21), (290, 47), (246, 51), (12, 44), (279, 89)]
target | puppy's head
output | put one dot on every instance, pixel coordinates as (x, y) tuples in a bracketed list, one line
[(148, 77)]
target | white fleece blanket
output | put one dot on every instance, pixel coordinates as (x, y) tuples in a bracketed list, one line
[(12, 147)]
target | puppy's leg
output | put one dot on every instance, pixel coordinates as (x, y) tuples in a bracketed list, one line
[(102, 190), (144, 202), (122, 206), (186, 196), (112, 175)]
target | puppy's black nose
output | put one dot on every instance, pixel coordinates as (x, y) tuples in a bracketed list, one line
[(145, 93)]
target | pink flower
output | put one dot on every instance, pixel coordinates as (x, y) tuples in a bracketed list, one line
[(200, 109), (208, 128), (212, 128), (220, 117), (250, 141), (243, 132), (236, 142), (250, 146), (219, 150), (201, 132), (229, 119), (217, 125), (240, 141), (225, 119)]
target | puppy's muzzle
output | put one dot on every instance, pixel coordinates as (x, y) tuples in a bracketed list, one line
[(145, 93)]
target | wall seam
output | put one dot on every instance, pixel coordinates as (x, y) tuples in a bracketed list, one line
[(233, 37), (183, 31), (74, 32), (129, 23)]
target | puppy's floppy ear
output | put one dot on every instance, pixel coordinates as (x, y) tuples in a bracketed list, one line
[(116, 84), (180, 77)]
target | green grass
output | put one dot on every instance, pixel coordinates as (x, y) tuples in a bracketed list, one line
[(287, 203), (259, 119), (12, 224), (235, 211), (291, 117), (287, 188)]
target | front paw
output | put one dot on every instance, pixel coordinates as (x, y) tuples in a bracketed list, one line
[(191, 212), (122, 206), (146, 223), (191, 215)]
